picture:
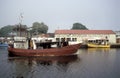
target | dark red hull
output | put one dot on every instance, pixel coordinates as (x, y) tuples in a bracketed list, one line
[(67, 50)]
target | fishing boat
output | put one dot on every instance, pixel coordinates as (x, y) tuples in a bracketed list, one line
[(98, 43), (22, 47)]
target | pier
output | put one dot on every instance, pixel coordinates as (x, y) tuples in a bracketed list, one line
[(117, 45)]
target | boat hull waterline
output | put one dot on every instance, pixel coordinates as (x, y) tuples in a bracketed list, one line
[(98, 46)]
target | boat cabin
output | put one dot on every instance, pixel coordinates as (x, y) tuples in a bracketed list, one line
[(20, 42), (98, 41), (27, 43)]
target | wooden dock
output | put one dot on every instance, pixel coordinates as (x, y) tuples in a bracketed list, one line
[(115, 45)]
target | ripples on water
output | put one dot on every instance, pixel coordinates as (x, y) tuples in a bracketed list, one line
[(89, 63)]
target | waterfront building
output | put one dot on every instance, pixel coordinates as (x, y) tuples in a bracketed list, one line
[(117, 36), (81, 36)]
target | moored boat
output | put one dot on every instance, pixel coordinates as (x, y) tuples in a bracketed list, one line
[(98, 45), (67, 50), (3, 44), (22, 50)]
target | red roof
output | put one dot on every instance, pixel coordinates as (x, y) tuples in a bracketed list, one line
[(84, 32)]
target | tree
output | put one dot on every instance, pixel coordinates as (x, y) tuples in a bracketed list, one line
[(79, 26), (39, 28), (10, 30), (4, 31)]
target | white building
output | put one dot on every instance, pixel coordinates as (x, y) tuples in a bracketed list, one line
[(118, 36), (81, 36)]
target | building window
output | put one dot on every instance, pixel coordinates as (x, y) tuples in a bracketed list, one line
[(57, 39), (68, 39), (74, 39), (62, 39)]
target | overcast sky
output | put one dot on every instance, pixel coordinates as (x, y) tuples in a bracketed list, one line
[(61, 14)]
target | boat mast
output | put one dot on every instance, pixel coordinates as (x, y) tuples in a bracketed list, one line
[(20, 23)]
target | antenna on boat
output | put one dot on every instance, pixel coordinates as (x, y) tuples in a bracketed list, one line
[(21, 18)]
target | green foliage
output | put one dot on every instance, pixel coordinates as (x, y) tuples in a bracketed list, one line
[(12, 29), (39, 28), (79, 26), (4, 31)]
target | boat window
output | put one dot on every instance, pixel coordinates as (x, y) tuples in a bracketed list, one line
[(62, 39), (57, 39), (74, 39), (68, 39)]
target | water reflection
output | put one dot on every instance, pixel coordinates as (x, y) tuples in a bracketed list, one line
[(3, 48), (30, 66), (98, 49), (45, 60), (89, 63)]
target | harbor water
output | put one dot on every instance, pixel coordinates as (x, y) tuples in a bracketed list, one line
[(87, 63)]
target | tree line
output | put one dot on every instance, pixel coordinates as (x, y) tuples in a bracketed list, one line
[(37, 28)]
